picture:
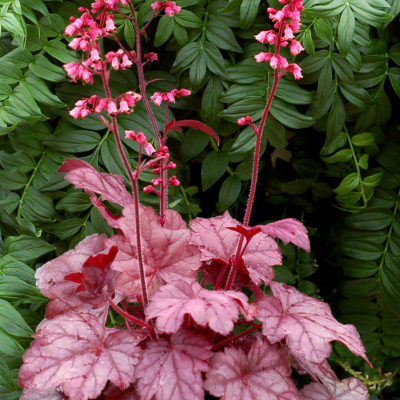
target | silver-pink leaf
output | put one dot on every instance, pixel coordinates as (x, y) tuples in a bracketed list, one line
[(261, 373), (167, 254), (50, 278), (78, 354), (33, 394), (306, 323), (288, 230), (217, 309), (111, 187), (219, 243), (348, 389), (171, 369)]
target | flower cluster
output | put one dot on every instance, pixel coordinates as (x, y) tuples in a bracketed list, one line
[(111, 5), (169, 97), (120, 59), (287, 21), (95, 104), (169, 7), (161, 154), (140, 137)]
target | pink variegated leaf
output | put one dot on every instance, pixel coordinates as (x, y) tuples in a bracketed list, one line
[(215, 241), (78, 354), (50, 279), (306, 323), (348, 389), (174, 221), (33, 394), (216, 309), (84, 176), (171, 369), (218, 241), (167, 254), (288, 230), (261, 373)]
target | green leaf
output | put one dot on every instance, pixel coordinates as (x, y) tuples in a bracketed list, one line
[(198, 70), (12, 179), (288, 115), (10, 347), (341, 156), (245, 142), (394, 77), (247, 71), (210, 104), (276, 134), (12, 322), (327, 8), (222, 36), (370, 220), (43, 68), (213, 167), (188, 19), (345, 29), (252, 107), (229, 192), (59, 50), (342, 68), (129, 34), (357, 269), (193, 143), (180, 34), (26, 248), (214, 60), (363, 139), (248, 13), (72, 140), (373, 180), (336, 119), (164, 30), (37, 207), (10, 266), (14, 289), (356, 95), (74, 202), (185, 56), (10, 203), (67, 228), (9, 73), (349, 183), (361, 249)]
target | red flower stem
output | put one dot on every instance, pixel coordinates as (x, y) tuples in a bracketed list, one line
[(142, 86), (235, 337), (133, 180), (258, 131), (130, 317)]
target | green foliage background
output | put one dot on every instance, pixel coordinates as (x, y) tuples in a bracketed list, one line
[(331, 153)]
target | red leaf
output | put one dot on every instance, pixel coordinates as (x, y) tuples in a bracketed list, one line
[(288, 230), (307, 324), (348, 389), (115, 393), (102, 261), (77, 353), (261, 373), (247, 231), (171, 369), (197, 125), (167, 254), (50, 279), (218, 242), (217, 309), (84, 176)]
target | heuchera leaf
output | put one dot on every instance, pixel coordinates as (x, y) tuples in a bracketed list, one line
[(288, 230), (115, 393), (217, 309), (218, 242), (79, 354), (167, 254), (261, 373), (171, 368), (306, 323), (33, 394), (321, 372), (348, 389), (84, 176), (50, 278)]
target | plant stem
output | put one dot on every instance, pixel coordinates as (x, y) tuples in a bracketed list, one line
[(142, 87), (135, 191), (235, 337)]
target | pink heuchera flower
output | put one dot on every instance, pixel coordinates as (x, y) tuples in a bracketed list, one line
[(158, 97), (169, 7), (245, 120)]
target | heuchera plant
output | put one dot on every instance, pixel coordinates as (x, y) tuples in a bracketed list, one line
[(180, 339)]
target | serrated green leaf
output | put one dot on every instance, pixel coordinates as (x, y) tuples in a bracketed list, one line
[(213, 167)]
